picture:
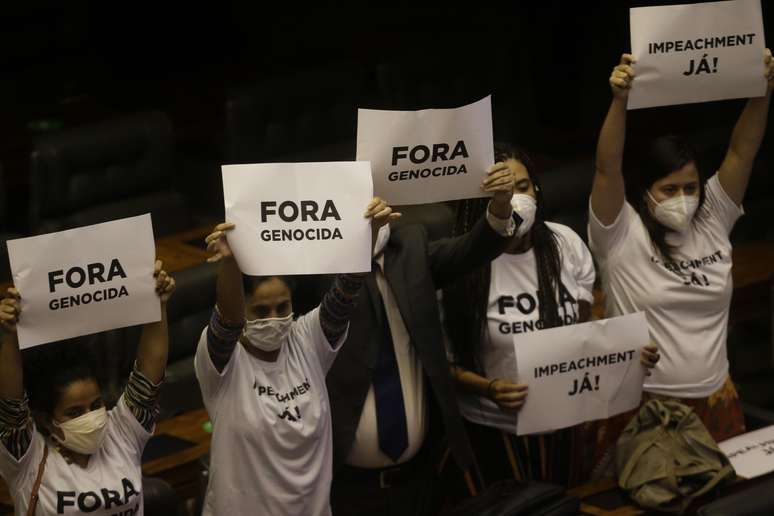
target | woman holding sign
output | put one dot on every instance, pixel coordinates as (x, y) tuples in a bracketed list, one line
[(665, 249), (76, 457), (544, 279), (262, 376)]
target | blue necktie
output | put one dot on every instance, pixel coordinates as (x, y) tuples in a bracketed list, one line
[(388, 396)]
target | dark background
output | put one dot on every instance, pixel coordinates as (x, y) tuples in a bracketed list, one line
[(242, 83), (546, 64)]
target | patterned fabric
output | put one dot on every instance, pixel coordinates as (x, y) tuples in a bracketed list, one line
[(15, 426), (721, 413), (337, 305), (141, 396), (222, 339)]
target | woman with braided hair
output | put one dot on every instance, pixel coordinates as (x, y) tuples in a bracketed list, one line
[(544, 279)]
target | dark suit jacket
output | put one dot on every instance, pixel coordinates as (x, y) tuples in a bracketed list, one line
[(414, 268)]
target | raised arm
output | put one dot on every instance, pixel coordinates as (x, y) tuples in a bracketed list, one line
[(154, 342), (142, 391), (453, 257), (339, 302), (607, 193), (15, 421), (228, 319), (11, 373), (734, 173)]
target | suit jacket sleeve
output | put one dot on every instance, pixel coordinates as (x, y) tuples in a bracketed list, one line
[(456, 256)]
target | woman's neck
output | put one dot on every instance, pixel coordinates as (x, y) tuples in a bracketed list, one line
[(519, 245), (72, 457), (266, 356)]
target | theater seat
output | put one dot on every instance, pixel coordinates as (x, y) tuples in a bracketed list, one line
[(753, 501), (114, 169), (189, 313), (160, 499)]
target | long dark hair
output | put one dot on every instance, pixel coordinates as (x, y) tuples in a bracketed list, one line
[(50, 369), (665, 155), (465, 302)]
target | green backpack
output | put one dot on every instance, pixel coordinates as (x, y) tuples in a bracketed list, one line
[(665, 457)]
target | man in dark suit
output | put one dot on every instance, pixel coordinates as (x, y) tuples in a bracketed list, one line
[(391, 393)]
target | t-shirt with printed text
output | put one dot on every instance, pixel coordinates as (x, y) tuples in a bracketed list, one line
[(686, 300), (272, 448), (110, 485), (513, 310)]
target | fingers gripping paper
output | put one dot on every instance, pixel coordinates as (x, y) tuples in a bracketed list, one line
[(581, 372), (427, 156), (85, 280), (299, 218), (697, 53)]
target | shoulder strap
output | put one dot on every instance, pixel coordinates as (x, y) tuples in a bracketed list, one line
[(36, 486)]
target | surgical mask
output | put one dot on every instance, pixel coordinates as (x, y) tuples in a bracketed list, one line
[(675, 213), (85, 433), (268, 334), (525, 207)]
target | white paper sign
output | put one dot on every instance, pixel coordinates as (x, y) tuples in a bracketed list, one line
[(85, 280), (751, 454), (299, 218), (697, 53), (427, 156), (580, 372)]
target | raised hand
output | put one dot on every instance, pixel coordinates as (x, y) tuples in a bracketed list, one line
[(622, 77), (217, 242), (165, 284), (10, 310)]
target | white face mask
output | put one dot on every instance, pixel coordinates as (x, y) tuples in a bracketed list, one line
[(525, 207), (85, 433), (675, 213), (268, 334)]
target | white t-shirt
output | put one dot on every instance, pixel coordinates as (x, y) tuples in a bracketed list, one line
[(686, 303), (272, 447), (513, 309), (111, 484)]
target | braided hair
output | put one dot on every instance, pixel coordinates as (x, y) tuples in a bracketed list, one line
[(465, 302)]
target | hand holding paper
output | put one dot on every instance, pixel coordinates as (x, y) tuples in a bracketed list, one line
[(622, 77), (697, 52), (297, 218), (217, 242), (85, 280), (165, 284), (649, 357), (10, 310), (507, 395), (380, 214), (500, 181), (769, 62), (596, 372)]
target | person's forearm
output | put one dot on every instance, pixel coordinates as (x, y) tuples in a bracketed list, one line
[(230, 294), (470, 381), (338, 304), (612, 138), (11, 372), (750, 128), (154, 348)]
